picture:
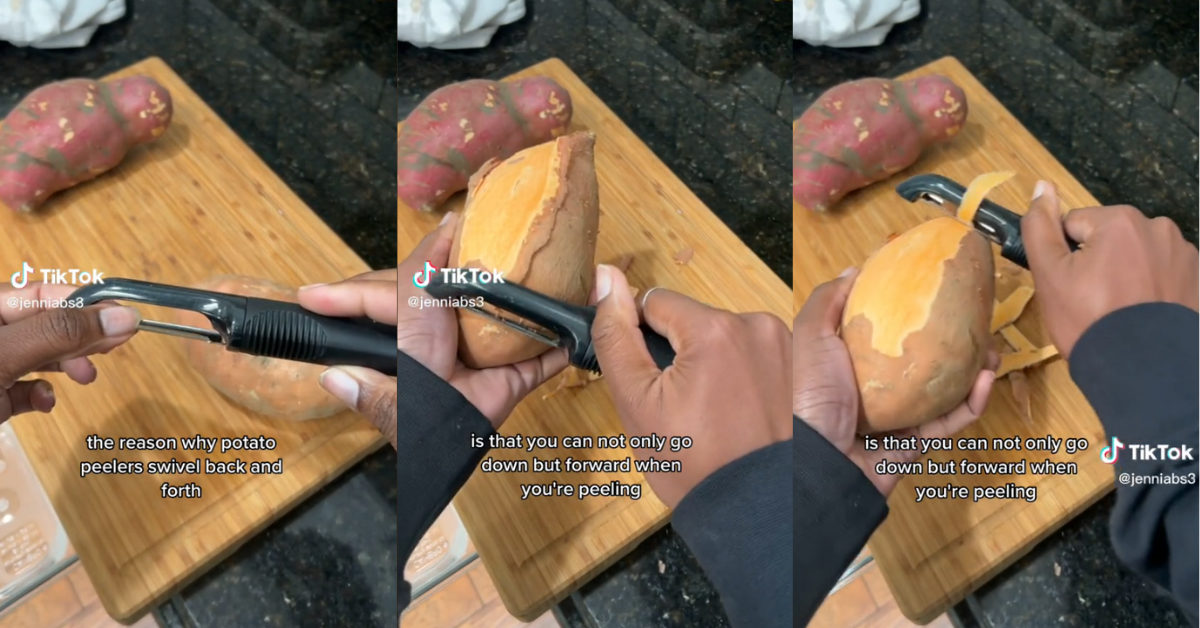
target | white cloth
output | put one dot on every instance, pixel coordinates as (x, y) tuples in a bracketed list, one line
[(55, 23), (849, 23), (454, 24)]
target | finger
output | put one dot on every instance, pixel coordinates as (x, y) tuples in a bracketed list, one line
[(371, 394), (433, 248), (822, 312), (672, 314), (60, 334), (80, 370), (1082, 224), (1042, 230), (23, 303), (30, 396), (537, 371), (353, 298), (993, 361), (966, 413), (620, 347)]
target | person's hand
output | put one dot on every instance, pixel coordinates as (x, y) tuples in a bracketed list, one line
[(430, 336), (825, 394), (727, 389), (1125, 259), (35, 338), (370, 393)]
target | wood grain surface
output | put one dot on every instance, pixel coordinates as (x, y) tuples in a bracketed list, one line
[(538, 551), (195, 203), (932, 554)]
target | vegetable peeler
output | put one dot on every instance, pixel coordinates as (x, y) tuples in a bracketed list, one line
[(262, 327), (1000, 225), (570, 324)]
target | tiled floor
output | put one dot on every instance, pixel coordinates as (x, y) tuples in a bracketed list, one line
[(466, 600), (865, 602), (66, 601)]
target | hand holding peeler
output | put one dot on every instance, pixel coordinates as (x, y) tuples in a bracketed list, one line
[(1000, 225), (570, 324), (262, 327)]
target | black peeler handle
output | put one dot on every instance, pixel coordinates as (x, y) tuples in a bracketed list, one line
[(659, 347), (263, 327), (277, 329), (996, 223)]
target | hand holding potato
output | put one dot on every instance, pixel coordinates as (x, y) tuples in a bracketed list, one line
[(430, 336), (35, 338), (825, 394), (1126, 259), (727, 389)]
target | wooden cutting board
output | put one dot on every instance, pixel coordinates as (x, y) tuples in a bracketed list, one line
[(540, 550), (197, 202), (933, 554)]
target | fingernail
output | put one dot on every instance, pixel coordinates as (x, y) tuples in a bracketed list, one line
[(446, 218), (342, 385), (603, 281), (48, 393), (119, 321), (313, 285), (846, 273), (1038, 190)]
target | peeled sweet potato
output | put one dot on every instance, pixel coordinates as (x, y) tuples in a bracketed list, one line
[(65, 133), (275, 388), (918, 324), (459, 127), (867, 130), (535, 218)]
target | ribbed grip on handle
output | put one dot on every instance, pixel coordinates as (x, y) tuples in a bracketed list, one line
[(1014, 251), (285, 335)]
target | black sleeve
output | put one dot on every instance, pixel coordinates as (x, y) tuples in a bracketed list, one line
[(1138, 369), (836, 509), (434, 428), (737, 522)]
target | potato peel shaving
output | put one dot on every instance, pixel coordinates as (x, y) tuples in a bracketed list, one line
[(1007, 312), (1016, 339), (977, 191), (1022, 360)]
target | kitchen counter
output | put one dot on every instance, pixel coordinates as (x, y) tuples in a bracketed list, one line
[(1118, 108), (714, 103), (314, 94)]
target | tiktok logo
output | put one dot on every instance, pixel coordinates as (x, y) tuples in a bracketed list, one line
[(421, 279), (1109, 454), (23, 275)]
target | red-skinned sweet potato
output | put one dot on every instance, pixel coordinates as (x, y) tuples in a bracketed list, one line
[(459, 127), (274, 388), (69, 132), (867, 130)]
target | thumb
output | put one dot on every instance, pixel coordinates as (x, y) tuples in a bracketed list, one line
[(1042, 230), (822, 312), (618, 340), (60, 334), (371, 394)]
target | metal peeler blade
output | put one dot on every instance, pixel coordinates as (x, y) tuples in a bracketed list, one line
[(570, 324), (261, 327)]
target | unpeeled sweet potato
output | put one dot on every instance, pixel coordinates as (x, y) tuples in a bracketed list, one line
[(918, 324), (534, 217), (69, 132), (867, 130), (459, 127), (275, 388)]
